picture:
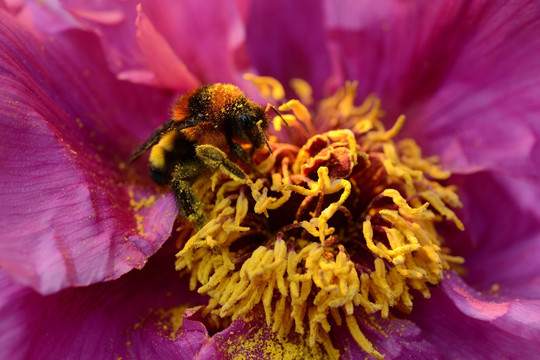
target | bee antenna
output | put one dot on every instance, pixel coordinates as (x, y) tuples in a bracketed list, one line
[(261, 131), (278, 114)]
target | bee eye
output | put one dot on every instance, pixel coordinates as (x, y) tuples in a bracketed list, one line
[(246, 122)]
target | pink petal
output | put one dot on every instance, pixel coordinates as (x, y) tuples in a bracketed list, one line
[(465, 73), (118, 319), (51, 17), (157, 46), (68, 129), (114, 22)]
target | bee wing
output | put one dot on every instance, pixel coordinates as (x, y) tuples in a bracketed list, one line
[(160, 131), (153, 139)]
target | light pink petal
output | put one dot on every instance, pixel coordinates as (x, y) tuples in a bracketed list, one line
[(44, 18), (517, 316), (475, 327), (209, 37), (167, 69), (68, 127), (124, 318)]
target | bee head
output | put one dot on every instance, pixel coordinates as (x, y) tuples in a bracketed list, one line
[(253, 125)]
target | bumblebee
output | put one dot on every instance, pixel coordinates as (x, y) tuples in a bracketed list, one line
[(208, 127)]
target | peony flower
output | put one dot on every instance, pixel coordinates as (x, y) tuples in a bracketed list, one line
[(89, 248)]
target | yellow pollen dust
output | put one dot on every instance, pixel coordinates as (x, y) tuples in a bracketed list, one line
[(137, 205), (348, 193)]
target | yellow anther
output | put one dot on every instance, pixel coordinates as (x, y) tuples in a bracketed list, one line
[(439, 205), (360, 338), (402, 203), (368, 235), (299, 110), (387, 135), (303, 90), (269, 87)]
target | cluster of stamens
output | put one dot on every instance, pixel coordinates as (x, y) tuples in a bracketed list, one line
[(343, 224)]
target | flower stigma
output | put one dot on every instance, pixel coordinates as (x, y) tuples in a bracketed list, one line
[(335, 224)]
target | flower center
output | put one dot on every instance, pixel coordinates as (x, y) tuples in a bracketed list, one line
[(349, 225)]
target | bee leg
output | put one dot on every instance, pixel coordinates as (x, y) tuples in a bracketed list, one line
[(238, 151), (188, 204), (216, 159)]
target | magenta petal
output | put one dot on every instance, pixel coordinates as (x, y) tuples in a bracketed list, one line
[(287, 39), (502, 234), (520, 317), (117, 319), (68, 127), (249, 340), (465, 73), (394, 338)]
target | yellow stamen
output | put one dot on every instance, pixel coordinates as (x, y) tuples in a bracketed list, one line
[(303, 90), (360, 338), (269, 87), (304, 275), (300, 112)]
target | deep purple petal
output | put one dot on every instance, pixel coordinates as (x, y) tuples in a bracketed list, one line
[(119, 319), (286, 40), (502, 233), (394, 338), (465, 73), (462, 324), (68, 127)]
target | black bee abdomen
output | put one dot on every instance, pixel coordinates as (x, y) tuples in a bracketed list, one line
[(159, 176)]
